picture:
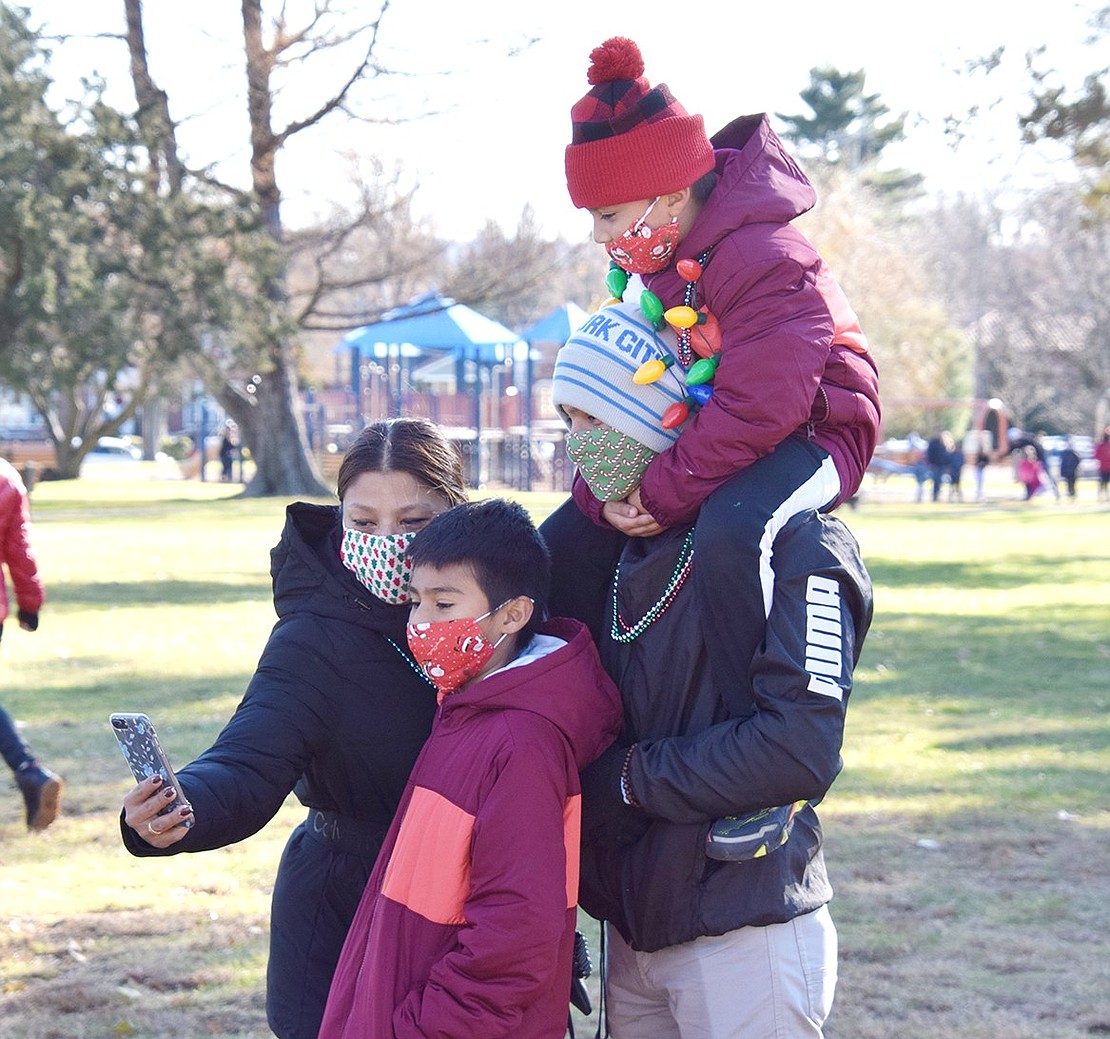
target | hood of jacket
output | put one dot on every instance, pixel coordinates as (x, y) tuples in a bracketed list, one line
[(567, 686), (757, 182), (308, 574)]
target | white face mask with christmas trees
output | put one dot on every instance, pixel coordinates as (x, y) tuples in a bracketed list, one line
[(378, 561)]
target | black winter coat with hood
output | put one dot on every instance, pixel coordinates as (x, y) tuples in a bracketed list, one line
[(336, 711)]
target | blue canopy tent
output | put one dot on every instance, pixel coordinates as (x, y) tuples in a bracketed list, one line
[(435, 322), (430, 323), (555, 327)]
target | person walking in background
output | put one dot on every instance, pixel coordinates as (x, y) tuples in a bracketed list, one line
[(982, 460), (1048, 478), (1030, 472), (228, 444), (937, 454), (1102, 456), (41, 788), (336, 711), (1069, 467), (917, 460), (956, 462), (1019, 441)]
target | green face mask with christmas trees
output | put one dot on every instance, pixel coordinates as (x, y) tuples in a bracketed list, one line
[(611, 463)]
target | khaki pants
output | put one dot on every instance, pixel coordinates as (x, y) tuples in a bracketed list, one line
[(773, 982)]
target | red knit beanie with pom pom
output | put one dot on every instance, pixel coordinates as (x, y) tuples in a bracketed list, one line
[(630, 140)]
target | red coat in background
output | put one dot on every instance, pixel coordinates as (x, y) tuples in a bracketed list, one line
[(15, 545), (1102, 456)]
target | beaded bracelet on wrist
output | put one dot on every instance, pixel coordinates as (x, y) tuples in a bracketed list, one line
[(626, 781)]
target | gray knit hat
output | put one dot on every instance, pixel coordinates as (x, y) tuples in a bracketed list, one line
[(594, 369)]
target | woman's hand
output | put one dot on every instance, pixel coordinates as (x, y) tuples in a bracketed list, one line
[(140, 811)]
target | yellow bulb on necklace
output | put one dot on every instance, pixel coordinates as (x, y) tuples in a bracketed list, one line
[(651, 371), (681, 317)]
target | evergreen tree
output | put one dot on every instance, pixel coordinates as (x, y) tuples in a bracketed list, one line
[(846, 128)]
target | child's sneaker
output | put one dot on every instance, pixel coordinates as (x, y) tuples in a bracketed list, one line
[(42, 793), (738, 838)]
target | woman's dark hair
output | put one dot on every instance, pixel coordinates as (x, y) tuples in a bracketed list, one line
[(406, 445), (497, 540)]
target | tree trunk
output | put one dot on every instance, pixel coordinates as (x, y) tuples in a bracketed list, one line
[(154, 107), (271, 426), (269, 417), (154, 425)]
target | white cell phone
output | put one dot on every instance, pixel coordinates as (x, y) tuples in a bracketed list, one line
[(139, 743)]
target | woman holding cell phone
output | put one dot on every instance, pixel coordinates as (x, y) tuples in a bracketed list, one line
[(336, 711)]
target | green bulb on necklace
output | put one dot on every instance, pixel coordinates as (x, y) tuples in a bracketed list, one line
[(616, 281)]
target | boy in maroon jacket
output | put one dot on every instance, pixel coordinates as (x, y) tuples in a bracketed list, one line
[(466, 927)]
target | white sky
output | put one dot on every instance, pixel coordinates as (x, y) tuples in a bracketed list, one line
[(497, 142)]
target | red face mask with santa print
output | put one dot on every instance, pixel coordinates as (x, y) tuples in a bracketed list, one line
[(451, 653), (379, 562), (645, 250)]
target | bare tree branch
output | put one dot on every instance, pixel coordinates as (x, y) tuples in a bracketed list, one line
[(337, 100)]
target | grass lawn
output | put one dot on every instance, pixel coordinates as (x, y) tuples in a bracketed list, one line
[(968, 836)]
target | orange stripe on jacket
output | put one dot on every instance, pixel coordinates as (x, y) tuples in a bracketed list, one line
[(429, 870), (572, 838)]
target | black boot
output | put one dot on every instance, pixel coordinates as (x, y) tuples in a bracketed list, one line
[(42, 792)]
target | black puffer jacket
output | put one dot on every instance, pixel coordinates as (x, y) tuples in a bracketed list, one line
[(336, 711), (711, 744)]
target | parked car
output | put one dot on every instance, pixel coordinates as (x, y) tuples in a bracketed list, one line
[(116, 447)]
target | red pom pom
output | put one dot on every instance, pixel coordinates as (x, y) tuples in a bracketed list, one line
[(616, 58)]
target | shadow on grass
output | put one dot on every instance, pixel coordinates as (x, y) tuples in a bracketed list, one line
[(1015, 646), (1001, 918), (189, 702), (70, 727), (137, 976), (1016, 789), (1069, 740), (77, 506), (244, 587), (988, 575)]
